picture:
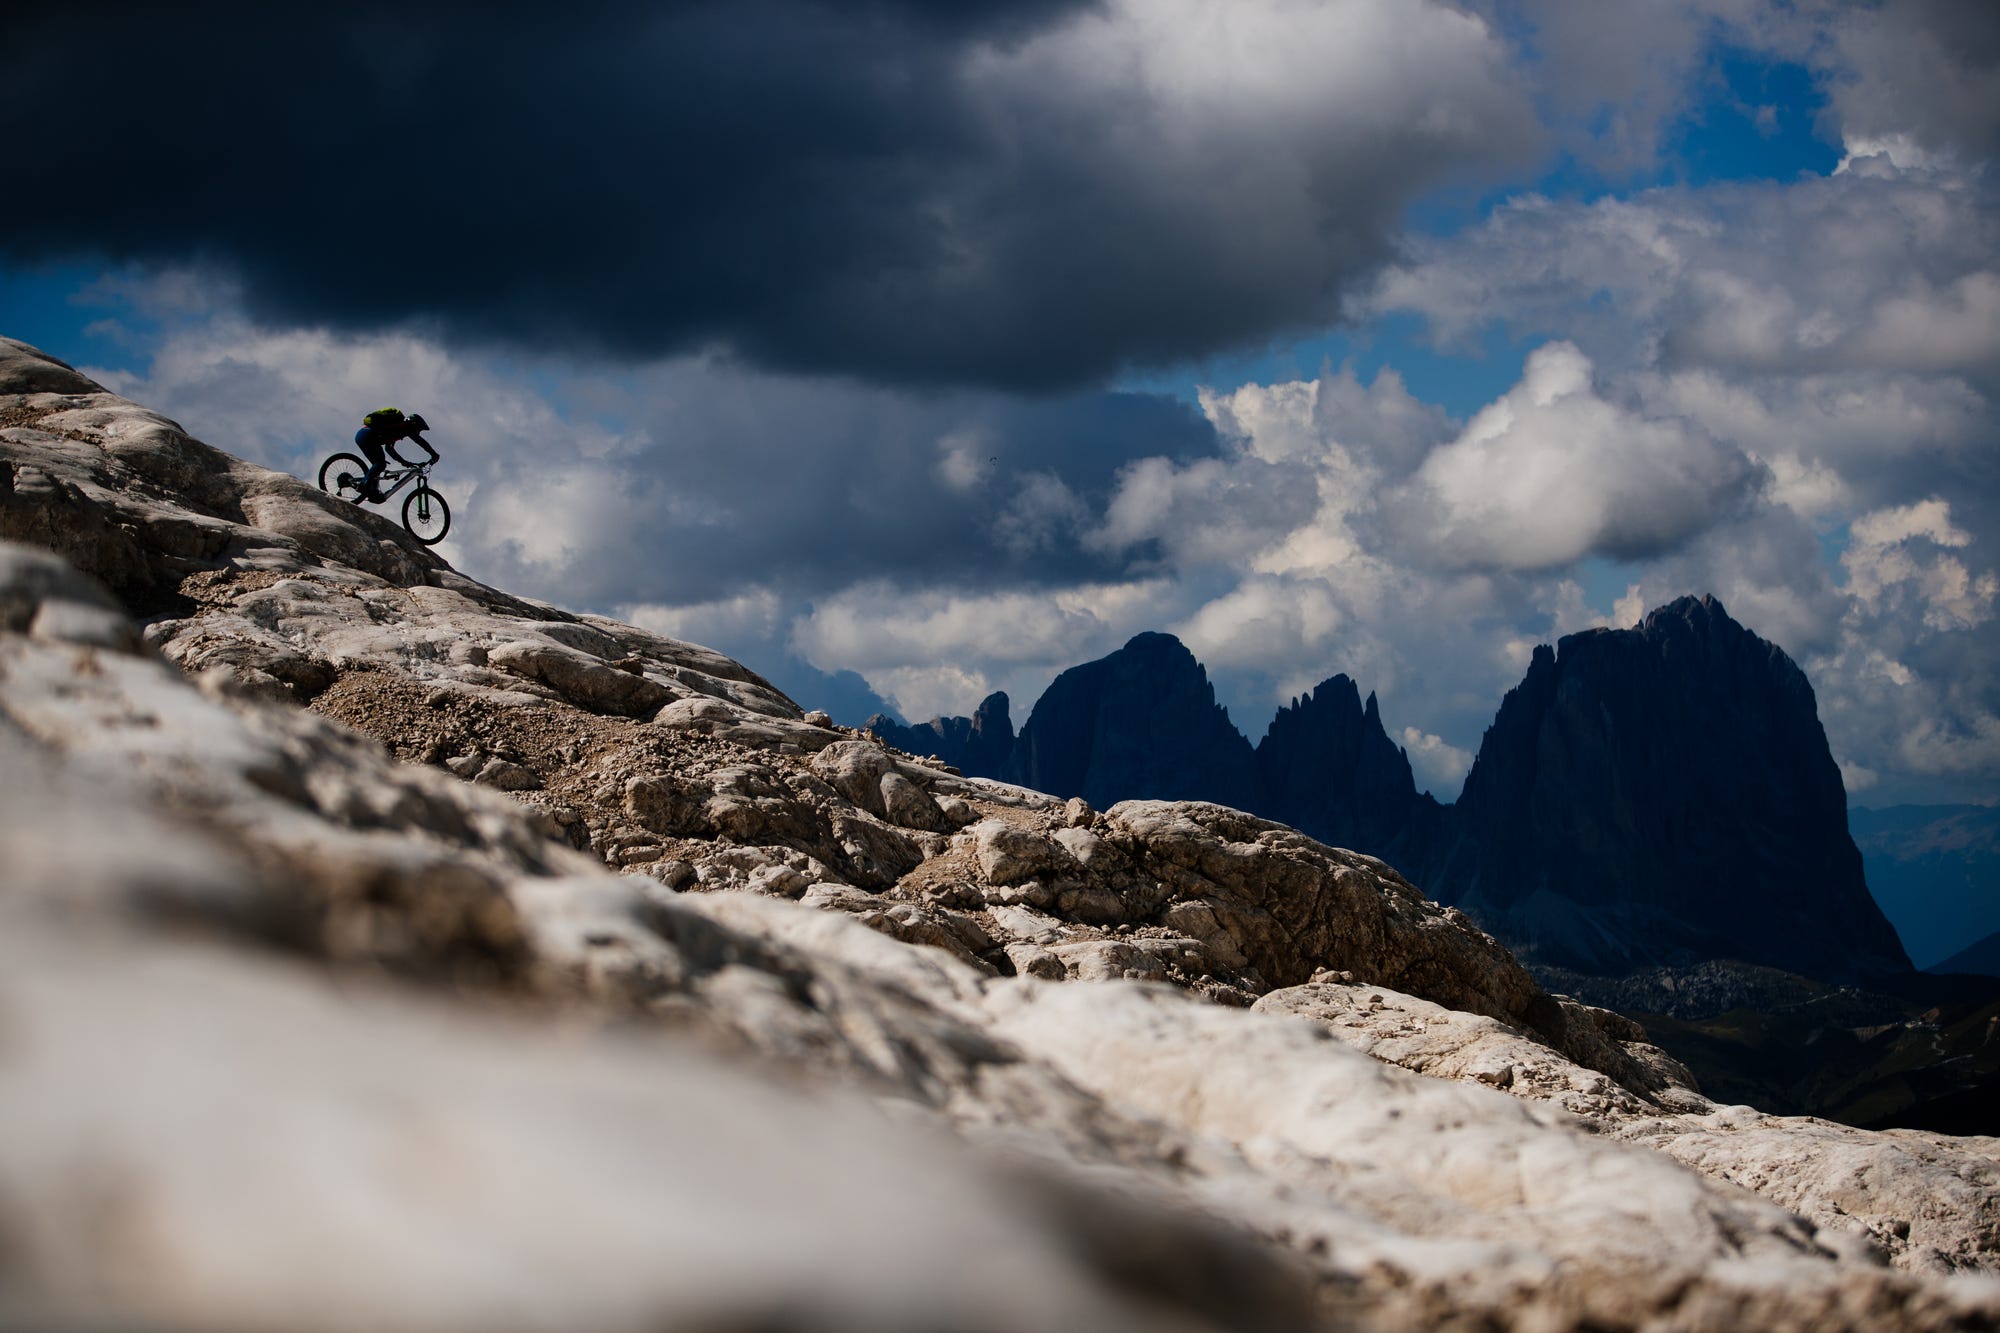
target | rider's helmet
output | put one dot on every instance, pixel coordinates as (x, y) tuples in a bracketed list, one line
[(417, 422)]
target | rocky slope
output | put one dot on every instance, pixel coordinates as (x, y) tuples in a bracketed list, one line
[(382, 950), (1925, 1056)]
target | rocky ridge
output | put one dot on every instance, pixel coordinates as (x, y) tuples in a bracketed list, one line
[(302, 1035)]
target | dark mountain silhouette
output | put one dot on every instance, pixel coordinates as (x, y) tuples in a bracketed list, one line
[(1661, 795), (1142, 722), (1328, 768), (979, 745), (1664, 794)]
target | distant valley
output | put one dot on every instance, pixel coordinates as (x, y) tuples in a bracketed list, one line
[(1935, 869)]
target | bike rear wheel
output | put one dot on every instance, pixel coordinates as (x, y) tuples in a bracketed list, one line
[(341, 476), (426, 515)]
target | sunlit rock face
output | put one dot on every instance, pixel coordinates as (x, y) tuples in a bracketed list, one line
[(1664, 794), (380, 950)]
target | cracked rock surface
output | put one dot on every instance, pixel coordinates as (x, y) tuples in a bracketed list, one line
[(384, 950)]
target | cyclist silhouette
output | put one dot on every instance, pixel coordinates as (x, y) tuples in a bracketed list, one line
[(380, 431)]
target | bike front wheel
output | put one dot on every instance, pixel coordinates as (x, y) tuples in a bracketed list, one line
[(426, 515), (341, 476)]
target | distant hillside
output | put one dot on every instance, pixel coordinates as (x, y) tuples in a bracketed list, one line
[(1982, 959), (1935, 870)]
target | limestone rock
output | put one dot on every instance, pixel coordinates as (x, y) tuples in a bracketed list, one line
[(1012, 855), (579, 679)]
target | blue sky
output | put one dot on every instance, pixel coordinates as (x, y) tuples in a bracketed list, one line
[(915, 358)]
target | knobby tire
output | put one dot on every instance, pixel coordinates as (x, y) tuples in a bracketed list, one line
[(341, 476), (426, 516)]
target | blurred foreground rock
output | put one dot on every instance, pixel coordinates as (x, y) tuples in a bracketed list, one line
[(640, 998)]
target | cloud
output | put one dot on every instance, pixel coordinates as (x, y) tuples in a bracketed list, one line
[(1552, 472), (755, 613), (1884, 565), (934, 650), (813, 527), (1925, 70), (683, 482), (826, 216), (1879, 272), (1262, 622), (1042, 514), (1015, 194), (963, 462), (1440, 766), (1616, 79)]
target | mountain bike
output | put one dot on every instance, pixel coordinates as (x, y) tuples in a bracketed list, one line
[(425, 514)]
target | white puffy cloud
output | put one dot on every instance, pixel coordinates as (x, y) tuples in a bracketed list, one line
[(1923, 71), (1925, 327), (1570, 611), (1042, 514), (1614, 75), (1262, 622), (1888, 270), (1552, 471), (1220, 511), (1885, 563), (963, 462)]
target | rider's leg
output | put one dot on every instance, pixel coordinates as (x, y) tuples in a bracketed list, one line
[(377, 460)]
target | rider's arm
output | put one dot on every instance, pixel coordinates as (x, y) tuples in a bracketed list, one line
[(413, 439)]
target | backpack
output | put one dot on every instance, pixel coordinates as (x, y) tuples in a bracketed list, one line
[(385, 419)]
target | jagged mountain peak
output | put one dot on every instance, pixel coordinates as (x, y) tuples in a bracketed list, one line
[(1139, 722), (1660, 795)]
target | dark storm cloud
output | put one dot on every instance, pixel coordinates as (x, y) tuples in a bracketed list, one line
[(753, 480), (916, 192), (1928, 68)]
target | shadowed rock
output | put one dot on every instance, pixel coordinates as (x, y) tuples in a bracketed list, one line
[(1664, 794)]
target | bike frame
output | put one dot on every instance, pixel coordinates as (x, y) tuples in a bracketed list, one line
[(419, 471)]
